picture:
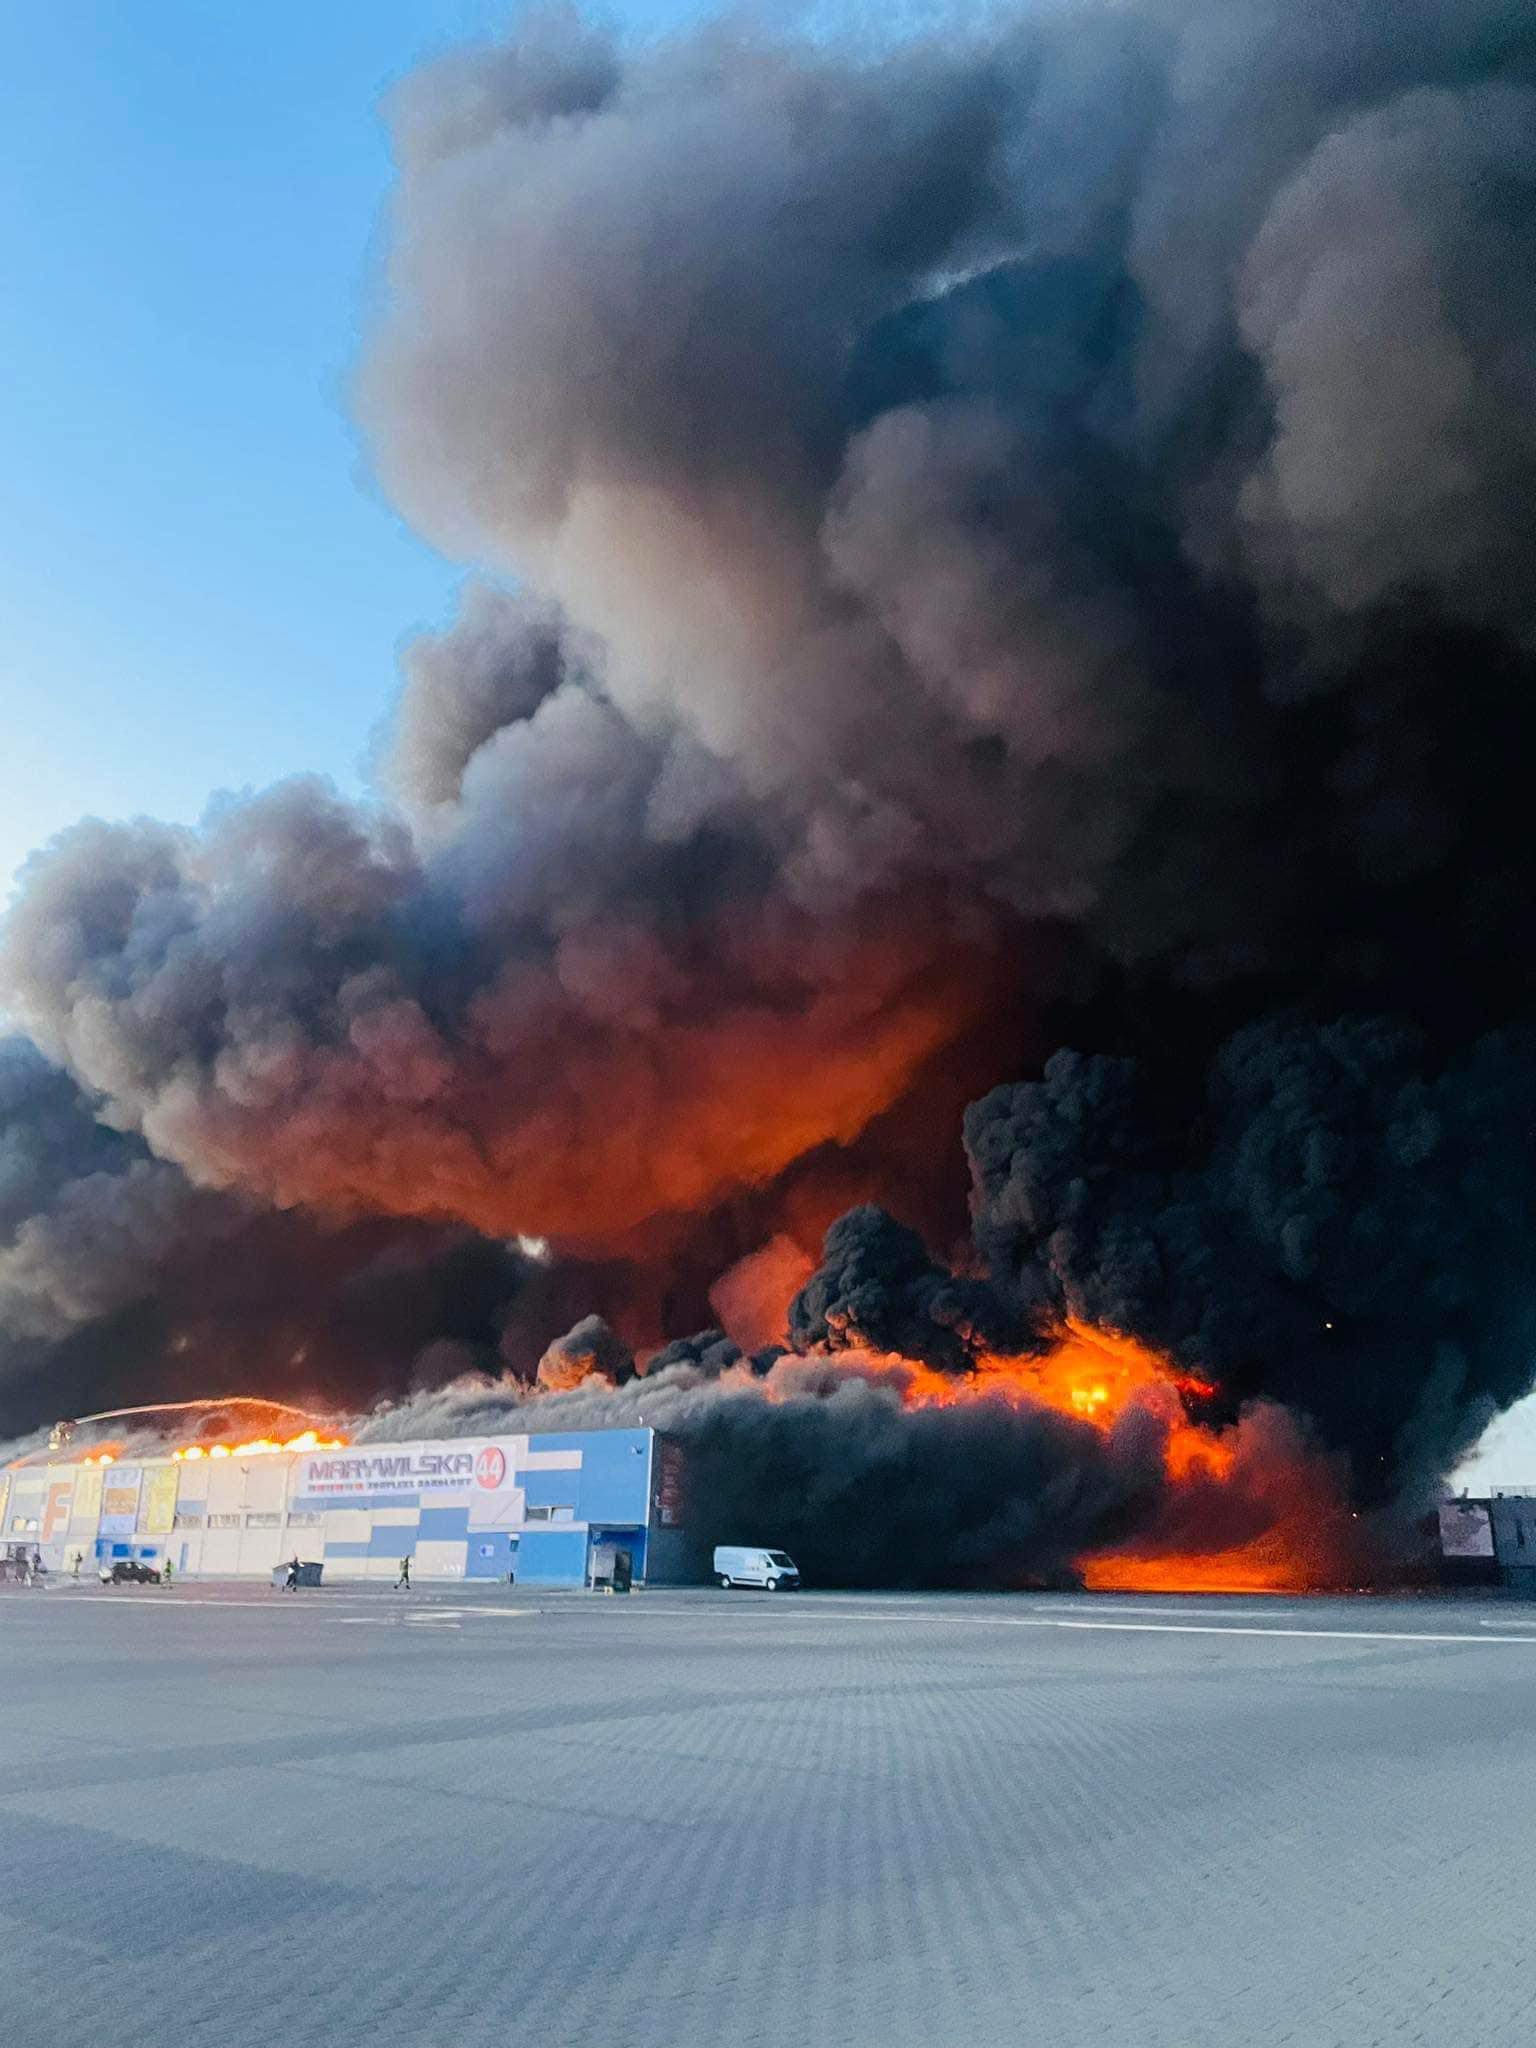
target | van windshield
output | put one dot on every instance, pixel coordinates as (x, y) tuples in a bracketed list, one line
[(778, 1557)]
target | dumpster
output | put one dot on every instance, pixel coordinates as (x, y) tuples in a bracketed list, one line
[(309, 1574)]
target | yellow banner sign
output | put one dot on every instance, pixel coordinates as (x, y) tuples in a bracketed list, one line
[(158, 1516), (88, 1493)]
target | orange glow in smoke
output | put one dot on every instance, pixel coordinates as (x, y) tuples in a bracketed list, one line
[(1091, 1374), (1251, 1509)]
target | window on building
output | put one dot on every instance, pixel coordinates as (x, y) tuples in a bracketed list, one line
[(189, 1518), (303, 1521), (263, 1521), (223, 1521)]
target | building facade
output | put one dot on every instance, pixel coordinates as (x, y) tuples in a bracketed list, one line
[(1491, 1540), (530, 1508)]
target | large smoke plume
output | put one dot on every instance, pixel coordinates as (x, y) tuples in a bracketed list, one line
[(999, 539)]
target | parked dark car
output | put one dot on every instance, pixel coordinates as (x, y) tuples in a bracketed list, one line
[(129, 1572)]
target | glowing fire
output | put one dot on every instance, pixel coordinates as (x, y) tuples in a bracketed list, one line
[(1251, 1507), (1092, 1374), (1269, 1564), (261, 1447)]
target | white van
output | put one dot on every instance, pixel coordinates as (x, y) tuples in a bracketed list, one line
[(770, 1568)]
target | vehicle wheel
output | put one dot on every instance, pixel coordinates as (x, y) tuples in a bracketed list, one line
[(726, 1583), (775, 1585)]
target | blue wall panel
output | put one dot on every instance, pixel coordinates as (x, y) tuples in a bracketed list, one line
[(490, 1554), (443, 1525), (611, 1484), (552, 1557), (551, 1489)]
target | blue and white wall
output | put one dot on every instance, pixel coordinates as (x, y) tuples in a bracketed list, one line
[(478, 1508), (464, 1508)]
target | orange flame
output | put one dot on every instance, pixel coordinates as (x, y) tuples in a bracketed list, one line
[(1253, 1509), (1092, 1374), (1269, 1564), (262, 1447)]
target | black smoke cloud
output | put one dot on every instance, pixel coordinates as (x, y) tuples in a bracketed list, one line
[(877, 1289), (1339, 1224), (1006, 538)]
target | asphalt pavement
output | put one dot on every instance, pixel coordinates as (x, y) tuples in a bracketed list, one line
[(237, 1817)]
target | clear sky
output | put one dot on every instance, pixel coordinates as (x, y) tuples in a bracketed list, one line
[(199, 586)]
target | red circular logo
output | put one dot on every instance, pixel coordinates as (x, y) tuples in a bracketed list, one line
[(490, 1468)]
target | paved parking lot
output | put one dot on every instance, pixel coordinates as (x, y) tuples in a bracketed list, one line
[(233, 1817)]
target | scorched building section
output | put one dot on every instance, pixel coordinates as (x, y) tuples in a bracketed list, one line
[(530, 1508)]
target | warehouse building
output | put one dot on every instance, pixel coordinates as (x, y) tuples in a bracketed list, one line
[(531, 1508)]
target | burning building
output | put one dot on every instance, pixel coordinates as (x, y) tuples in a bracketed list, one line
[(471, 1508), (1024, 616)]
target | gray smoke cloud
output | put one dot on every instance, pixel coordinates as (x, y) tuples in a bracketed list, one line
[(494, 666), (1405, 455), (85, 1213), (1015, 529), (120, 1280)]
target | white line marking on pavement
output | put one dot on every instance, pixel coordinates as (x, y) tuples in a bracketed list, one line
[(1213, 1628), (1268, 1612), (166, 1603), (1279, 1605), (161, 1604), (481, 1613), (1166, 1628)]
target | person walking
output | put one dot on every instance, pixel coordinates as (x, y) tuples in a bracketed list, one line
[(168, 1572), (75, 1568), (405, 1575), (291, 1583)]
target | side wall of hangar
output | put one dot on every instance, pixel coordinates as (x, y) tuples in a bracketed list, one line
[(530, 1507), (1490, 1540)]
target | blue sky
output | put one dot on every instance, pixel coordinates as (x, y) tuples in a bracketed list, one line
[(199, 586)]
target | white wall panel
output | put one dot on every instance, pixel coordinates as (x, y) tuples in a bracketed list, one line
[(438, 1561)]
